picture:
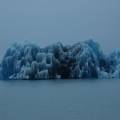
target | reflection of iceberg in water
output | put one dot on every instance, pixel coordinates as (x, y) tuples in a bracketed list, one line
[(82, 60)]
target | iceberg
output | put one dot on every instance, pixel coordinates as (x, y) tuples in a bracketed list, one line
[(114, 60), (83, 60)]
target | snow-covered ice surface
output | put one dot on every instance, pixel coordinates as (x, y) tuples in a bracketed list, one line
[(82, 60)]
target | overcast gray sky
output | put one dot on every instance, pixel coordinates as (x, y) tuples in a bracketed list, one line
[(68, 21)]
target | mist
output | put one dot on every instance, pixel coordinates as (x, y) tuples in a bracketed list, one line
[(48, 21)]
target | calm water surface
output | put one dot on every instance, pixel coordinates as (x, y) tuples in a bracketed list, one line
[(60, 100)]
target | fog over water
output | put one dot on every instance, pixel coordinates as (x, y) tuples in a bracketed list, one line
[(47, 21)]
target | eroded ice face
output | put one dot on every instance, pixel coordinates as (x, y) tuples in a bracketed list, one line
[(82, 60)]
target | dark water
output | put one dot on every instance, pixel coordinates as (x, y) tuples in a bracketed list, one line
[(60, 100)]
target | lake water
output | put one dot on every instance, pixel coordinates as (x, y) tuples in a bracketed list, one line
[(60, 100)]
